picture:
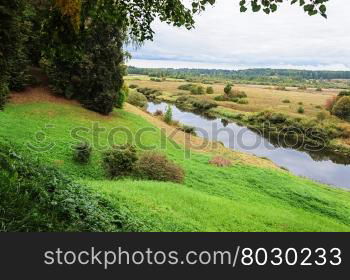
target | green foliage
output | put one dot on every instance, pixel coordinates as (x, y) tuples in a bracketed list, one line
[(321, 116), (243, 101), (188, 87), (319, 89), (122, 96), (286, 101), (281, 88), (210, 90), (228, 89), (344, 93), (119, 161), (137, 99), (4, 91), (156, 166), (133, 86), (188, 129), (233, 95), (74, 62), (168, 116), (36, 198), (82, 152), (301, 110), (194, 103), (14, 31), (341, 108)]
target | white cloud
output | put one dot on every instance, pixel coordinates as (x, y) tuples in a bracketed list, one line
[(225, 37)]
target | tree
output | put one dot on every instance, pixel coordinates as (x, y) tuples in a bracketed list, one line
[(210, 90), (81, 47), (228, 89), (342, 108)]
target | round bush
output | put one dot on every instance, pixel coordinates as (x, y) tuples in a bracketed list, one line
[(82, 152), (342, 108), (156, 166), (137, 99), (119, 161)]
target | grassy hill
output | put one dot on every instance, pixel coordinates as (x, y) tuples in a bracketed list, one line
[(244, 197)]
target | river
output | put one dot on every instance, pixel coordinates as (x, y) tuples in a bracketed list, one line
[(320, 166)]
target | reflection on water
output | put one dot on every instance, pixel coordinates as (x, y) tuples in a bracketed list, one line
[(322, 166)]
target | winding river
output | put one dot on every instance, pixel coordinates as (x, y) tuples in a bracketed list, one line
[(320, 166)]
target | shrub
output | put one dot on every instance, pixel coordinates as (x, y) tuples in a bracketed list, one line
[(156, 80), (197, 90), (210, 90), (286, 101), (318, 107), (321, 116), (187, 87), (133, 86), (243, 101), (301, 110), (156, 166), (302, 88), (281, 88), (82, 152), (220, 161), (203, 105), (344, 93), (189, 129), (228, 88), (137, 99), (330, 102), (158, 113), (300, 103), (168, 116), (103, 103), (149, 92), (119, 161), (233, 95), (341, 108), (37, 198), (122, 96), (319, 89)]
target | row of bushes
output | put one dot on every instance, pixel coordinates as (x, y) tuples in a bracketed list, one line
[(196, 89), (188, 102), (123, 160), (149, 92)]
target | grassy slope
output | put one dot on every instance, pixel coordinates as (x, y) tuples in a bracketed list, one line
[(238, 198)]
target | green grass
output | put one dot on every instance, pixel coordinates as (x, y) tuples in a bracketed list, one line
[(237, 198)]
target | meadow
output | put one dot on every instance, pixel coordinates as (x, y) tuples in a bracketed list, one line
[(250, 195), (307, 104)]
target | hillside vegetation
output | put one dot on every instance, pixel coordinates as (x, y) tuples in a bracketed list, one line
[(242, 197)]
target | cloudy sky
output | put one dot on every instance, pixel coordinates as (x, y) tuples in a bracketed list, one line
[(224, 38)]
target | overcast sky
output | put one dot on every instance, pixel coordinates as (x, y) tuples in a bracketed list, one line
[(224, 38)]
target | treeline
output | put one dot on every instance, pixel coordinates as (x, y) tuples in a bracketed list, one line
[(184, 73)]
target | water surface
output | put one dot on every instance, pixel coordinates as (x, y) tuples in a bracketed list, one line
[(321, 166)]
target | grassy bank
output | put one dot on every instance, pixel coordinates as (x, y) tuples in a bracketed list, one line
[(243, 197)]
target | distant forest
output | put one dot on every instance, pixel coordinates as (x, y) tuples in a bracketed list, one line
[(240, 74)]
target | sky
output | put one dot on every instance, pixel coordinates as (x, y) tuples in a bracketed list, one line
[(224, 38)]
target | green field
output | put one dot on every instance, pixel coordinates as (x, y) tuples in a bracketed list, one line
[(238, 198)]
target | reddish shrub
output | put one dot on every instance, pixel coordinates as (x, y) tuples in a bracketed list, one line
[(156, 166), (330, 103), (220, 161)]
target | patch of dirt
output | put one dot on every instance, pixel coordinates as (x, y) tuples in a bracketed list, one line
[(38, 95), (198, 144)]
